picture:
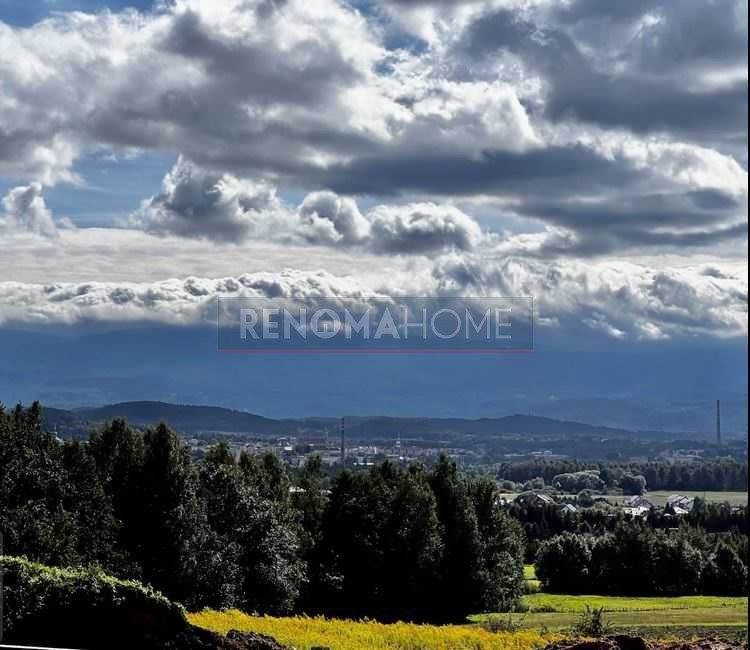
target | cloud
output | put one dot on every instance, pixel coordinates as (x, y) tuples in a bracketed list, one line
[(328, 218), (178, 79), (422, 228), (646, 82), (198, 203), (593, 131), (681, 221), (620, 300), (202, 204), (624, 299), (25, 211)]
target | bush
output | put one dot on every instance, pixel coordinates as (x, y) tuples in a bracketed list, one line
[(592, 622), (506, 623), (86, 608)]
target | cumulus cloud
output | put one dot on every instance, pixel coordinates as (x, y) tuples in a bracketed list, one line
[(198, 203), (329, 218), (25, 211), (422, 228), (521, 101), (178, 79), (640, 82)]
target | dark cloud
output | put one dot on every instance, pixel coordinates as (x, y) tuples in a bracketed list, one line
[(639, 93), (309, 72), (553, 170), (532, 110), (684, 220)]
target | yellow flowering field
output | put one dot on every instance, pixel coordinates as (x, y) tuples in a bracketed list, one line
[(303, 633)]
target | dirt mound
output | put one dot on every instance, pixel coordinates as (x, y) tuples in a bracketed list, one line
[(705, 644), (625, 642)]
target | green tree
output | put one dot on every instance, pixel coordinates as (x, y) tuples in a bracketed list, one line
[(563, 563), (501, 549), (258, 536), (33, 487)]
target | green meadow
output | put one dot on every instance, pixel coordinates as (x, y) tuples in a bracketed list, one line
[(658, 615)]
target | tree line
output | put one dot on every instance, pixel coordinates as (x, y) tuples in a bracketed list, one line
[(723, 474), (542, 522), (635, 559), (228, 531)]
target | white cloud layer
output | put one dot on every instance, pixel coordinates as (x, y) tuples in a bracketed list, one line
[(620, 299)]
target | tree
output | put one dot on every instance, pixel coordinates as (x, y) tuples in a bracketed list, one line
[(258, 537), (33, 486), (633, 484), (726, 573), (563, 563), (462, 564), (501, 549), (91, 507), (679, 566), (382, 544)]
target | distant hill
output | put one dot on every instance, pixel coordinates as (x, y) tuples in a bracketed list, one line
[(184, 417), (193, 419), (510, 424)]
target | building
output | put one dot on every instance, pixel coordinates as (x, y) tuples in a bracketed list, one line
[(680, 504), (638, 501), (535, 499)]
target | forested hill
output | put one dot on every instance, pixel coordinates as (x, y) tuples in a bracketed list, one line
[(189, 419)]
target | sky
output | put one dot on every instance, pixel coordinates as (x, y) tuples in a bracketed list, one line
[(592, 155)]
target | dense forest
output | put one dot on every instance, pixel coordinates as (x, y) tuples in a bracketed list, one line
[(388, 542)]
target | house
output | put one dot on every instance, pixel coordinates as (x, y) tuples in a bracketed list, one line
[(535, 499), (638, 501), (568, 509), (680, 504)]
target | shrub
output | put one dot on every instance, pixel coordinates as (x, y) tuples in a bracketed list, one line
[(592, 622), (86, 608), (506, 623)]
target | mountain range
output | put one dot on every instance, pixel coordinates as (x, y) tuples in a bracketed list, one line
[(191, 419)]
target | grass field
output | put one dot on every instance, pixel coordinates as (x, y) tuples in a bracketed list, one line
[(304, 633), (550, 617), (529, 576), (558, 612)]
